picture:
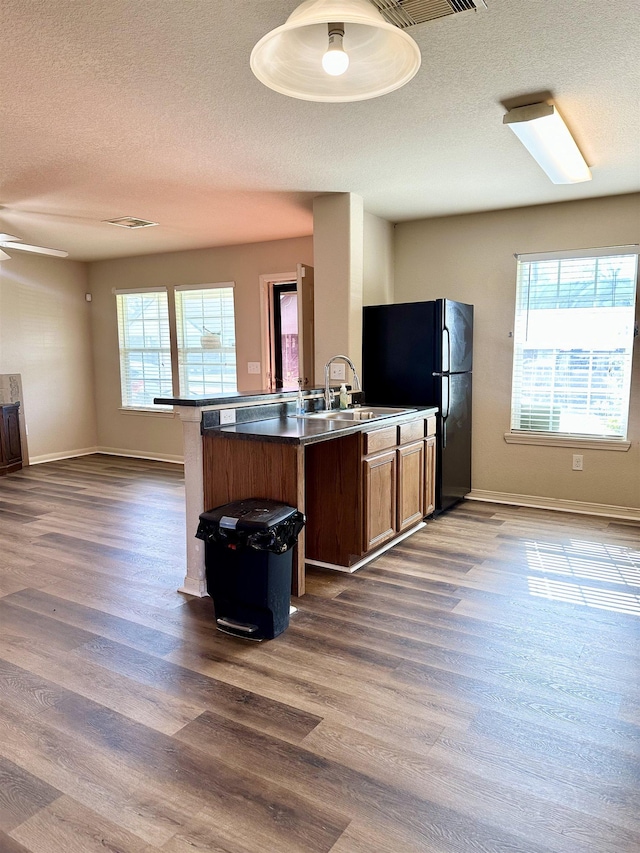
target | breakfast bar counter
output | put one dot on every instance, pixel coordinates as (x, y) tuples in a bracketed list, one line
[(270, 453)]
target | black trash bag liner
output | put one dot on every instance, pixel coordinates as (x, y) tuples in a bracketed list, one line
[(234, 526)]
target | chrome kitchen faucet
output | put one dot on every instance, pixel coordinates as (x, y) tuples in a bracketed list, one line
[(328, 394)]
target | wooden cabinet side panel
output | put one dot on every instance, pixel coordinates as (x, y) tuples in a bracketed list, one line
[(429, 475), (334, 500), (410, 485), (235, 470), (380, 499)]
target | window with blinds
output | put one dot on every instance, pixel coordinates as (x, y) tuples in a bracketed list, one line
[(573, 340), (206, 334), (145, 354)]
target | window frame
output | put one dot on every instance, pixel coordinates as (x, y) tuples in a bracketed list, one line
[(170, 291), (557, 438), (125, 393), (180, 365)]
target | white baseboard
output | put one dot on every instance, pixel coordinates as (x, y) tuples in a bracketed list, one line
[(372, 556), (579, 507), (108, 451), (65, 454), (134, 454)]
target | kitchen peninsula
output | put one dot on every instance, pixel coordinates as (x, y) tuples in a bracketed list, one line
[(364, 479)]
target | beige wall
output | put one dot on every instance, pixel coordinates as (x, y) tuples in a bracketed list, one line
[(154, 435), (470, 258), (45, 336), (338, 246), (378, 267)]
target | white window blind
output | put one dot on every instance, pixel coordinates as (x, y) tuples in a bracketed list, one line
[(573, 342), (206, 339), (145, 355)]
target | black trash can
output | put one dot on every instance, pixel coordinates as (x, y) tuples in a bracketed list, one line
[(248, 559)]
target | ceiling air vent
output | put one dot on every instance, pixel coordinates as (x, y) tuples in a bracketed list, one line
[(408, 13), (130, 222)]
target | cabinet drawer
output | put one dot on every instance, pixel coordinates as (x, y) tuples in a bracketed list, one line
[(380, 439), (431, 425), (413, 431)]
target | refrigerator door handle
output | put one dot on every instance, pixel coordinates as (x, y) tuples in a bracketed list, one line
[(445, 408), (446, 351)]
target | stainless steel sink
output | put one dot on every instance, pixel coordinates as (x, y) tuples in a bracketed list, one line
[(362, 413)]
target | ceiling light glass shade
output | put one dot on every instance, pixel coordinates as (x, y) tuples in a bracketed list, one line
[(382, 57), (546, 137)]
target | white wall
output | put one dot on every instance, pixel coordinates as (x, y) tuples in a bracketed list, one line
[(157, 436), (45, 336), (471, 259)]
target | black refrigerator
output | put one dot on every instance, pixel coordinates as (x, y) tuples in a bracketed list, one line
[(420, 354)]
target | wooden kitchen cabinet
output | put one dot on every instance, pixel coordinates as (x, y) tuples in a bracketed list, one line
[(429, 475), (430, 466), (411, 492), (365, 490), (380, 499), (10, 449)]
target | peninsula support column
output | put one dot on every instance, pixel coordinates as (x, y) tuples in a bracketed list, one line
[(338, 258), (195, 579)]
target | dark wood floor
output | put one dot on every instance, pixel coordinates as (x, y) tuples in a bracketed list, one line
[(475, 690)]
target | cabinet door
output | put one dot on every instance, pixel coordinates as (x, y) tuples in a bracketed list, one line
[(379, 499), (430, 475), (10, 453), (410, 485)]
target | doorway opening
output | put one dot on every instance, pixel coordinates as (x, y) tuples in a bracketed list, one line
[(287, 329), (285, 336)]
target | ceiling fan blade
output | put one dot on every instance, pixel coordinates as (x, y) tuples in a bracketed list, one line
[(4, 256), (38, 250)]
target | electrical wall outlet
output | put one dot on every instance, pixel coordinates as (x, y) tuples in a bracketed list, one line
[(337, 371), (577, 462), (253, 367), (227, 416)]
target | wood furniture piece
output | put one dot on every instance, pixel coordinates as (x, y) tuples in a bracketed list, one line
[(10, 449)]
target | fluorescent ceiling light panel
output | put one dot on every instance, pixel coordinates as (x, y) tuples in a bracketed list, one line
[(546, 137)]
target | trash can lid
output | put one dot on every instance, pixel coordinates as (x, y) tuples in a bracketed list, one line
[(249, 514)]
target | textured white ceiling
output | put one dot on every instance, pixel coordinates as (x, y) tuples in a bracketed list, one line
[(148, 108)]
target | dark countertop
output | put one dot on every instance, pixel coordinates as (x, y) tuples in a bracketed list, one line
[(235, 397), (292, 430)]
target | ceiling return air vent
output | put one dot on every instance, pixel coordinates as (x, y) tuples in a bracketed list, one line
[(130, 222), (408, 13)]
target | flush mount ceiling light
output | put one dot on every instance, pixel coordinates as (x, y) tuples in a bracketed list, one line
[(546, 137), (335, 51)]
